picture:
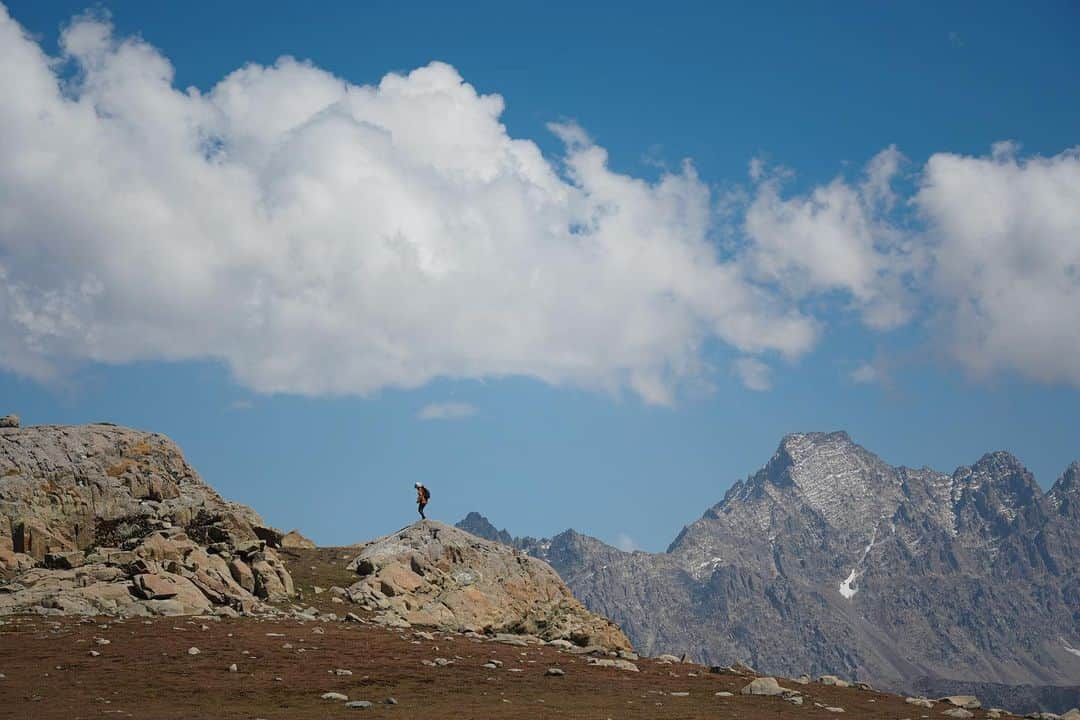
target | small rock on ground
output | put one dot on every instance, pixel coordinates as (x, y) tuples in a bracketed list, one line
[(763, 686), (358, 704), (958, 712), (554, 672), (334, 696), (193, 650)]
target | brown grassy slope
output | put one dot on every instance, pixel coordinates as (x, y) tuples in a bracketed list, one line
[(285, 665)]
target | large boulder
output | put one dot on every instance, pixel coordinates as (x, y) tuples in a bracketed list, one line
[(434, 574), (118, 523)]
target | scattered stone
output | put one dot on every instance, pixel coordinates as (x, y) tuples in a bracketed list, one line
[(919, 702), (390, 701), (554, 672), (803, 679), (615, 663), (341, 671), (233, 668), (834, 709), (763, 686), (443, 662), (958, 712), (508, 639), (679, 694), (318, 590), (358, 704), (334, 696), (833, 680), (9, 421), (102, 641), (193, 650), (967, 702), (490, 666), (93, 653), (724, 693), (667, 658), (795, 699)]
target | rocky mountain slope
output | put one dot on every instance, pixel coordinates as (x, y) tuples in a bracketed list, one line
[(99, 519), (830, 560)]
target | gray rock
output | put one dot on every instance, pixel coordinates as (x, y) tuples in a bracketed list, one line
[(958, 712), (969, 702), (334, 696), (9, 421), (554, 672), (358, 704), (919, 702), (763, 686), (615, 663)]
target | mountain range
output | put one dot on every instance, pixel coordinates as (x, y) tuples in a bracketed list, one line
[(829, 560)]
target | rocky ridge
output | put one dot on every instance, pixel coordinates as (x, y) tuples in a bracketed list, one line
[(435, 575), (99, 519), (829, 560)]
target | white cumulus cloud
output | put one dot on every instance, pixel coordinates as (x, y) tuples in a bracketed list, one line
[(324, 238), (320, 237), (1005, 238)]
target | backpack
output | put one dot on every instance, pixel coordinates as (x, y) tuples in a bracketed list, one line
[(427, 493)]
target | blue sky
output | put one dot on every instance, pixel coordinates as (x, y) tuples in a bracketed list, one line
[(802, 276)]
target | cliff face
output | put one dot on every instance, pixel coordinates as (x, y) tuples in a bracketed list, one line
[(828, 560), (99, 518)]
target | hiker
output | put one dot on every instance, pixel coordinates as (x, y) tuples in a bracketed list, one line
[(422, 497)]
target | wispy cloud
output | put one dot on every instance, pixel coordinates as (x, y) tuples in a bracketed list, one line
[(753, 373), (447, 411), (625, 542), (865, 374)]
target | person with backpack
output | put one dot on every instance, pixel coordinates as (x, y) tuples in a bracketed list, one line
[(422, 497)]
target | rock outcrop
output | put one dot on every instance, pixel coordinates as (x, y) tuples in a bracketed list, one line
[(433, 574), (829, 560), (99, 519)]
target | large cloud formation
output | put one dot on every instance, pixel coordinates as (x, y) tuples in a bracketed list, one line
[(321, 237)]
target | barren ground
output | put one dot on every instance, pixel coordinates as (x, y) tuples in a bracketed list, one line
[(283, 666)]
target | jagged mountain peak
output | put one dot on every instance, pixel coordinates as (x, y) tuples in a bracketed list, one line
[(997, 482), (1065, 494), (480, 526)]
